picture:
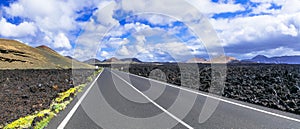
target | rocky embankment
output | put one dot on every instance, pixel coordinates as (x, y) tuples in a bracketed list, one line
[(274, 86), (24, 92)]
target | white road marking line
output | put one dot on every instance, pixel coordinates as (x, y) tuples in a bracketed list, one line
[(71, 113), (220, 99), (166, 111)]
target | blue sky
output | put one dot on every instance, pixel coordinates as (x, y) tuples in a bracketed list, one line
[(103, 29)]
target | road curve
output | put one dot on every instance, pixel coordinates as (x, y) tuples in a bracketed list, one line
[(122, 100)]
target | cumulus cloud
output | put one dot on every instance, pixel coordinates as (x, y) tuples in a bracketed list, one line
[(174, 48), (90, 42), (61, 41), (123, 52), (256, 28), (207, 7), (157, 19), (116, 42), (280, 51), (21, 30), (49, 18), (263, 30), (265, 8), (104, 16), (104, 54), (48, 15), (291, 6)]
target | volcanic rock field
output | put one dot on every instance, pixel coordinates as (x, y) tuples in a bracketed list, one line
[(24, 92), (270, 85)]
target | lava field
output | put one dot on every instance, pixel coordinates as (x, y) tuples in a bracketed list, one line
[(270, 85), (25, 91)]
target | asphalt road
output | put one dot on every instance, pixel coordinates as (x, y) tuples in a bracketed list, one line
[(119, 100)]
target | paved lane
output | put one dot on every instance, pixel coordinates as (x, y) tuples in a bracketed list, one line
[(121, 100)]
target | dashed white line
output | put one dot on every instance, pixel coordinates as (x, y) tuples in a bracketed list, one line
[(70, 114), (218, 98), (157, 105)]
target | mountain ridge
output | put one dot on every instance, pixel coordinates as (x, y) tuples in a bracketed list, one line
[(17, 55), (295, 59)]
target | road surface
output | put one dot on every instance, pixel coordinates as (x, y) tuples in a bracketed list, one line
[(120, 100)]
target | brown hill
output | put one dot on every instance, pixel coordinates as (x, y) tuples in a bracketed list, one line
[(92, 61), (218, 59), (113, 59), (223, 59), (16, 55), (47, 49), (197, 60)]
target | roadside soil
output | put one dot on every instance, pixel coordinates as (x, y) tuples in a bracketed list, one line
[(24, 92)]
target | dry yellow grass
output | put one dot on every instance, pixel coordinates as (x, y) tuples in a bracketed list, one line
[(16, 55)]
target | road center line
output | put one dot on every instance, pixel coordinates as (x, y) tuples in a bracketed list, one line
[(73, 110), (166, 111), (218, 98)]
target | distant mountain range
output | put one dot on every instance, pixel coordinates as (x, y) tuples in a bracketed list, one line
[(16, 55), (256, 59), (131, 60), (273, 60), (197, 60), (220, 59), (112, 60), (92, 61)]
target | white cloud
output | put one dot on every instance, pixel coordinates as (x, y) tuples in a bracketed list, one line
[(104, 54), (274, 34), (136, 26), (291, 6), (209, 8), (104, 15), (123, 52), (12, 30), (66, 53), (129, 28), (49, 15), (174, 48), (256, 28), (53, 20), (280, 51), (157, 19), (180, 7), (288, 6), (140, 43), (277, 2), (61, 41), (15, 9), (265, 8), (89, 43), (116, 42)]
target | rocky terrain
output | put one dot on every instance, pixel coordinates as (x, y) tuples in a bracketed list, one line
[(24, 92), (274, 86)]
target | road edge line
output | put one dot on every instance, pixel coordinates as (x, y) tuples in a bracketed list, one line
[(75, 107), (219, 98)]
